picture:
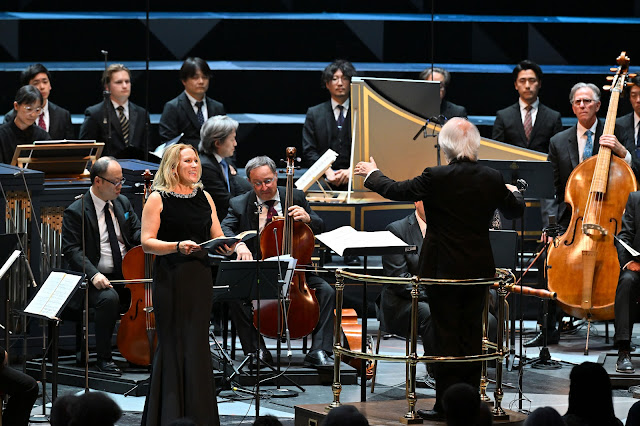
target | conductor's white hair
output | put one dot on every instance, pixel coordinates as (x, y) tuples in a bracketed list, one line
[(459, 138)]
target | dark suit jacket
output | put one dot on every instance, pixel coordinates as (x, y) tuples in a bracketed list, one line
[(178, 117), (508, 127), (60, 126), (72, 232), (215, 184), (626, 136), (459, 201), (630, 226), (450, 110), (564, 157), (320, 132), (242, 215), (95, 127)]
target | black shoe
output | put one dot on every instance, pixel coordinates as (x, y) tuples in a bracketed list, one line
[(623, 364), (318, 359), (351, 260), (553, 338), (431, 415), (108, 366), (265, 358)]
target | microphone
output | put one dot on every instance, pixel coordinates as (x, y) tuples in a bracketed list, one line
[(104, 52)]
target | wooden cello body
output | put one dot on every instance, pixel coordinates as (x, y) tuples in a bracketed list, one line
[(583, 266), (137, 339), (286, 236)]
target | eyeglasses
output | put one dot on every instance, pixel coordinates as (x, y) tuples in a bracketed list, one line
[(31, 109), (266, 182), (586, 102), (116, 183)]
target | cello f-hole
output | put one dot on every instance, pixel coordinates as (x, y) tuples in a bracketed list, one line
[(615, 221), (573, 236)]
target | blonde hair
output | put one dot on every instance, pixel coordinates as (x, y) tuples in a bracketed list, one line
[(166, 178)]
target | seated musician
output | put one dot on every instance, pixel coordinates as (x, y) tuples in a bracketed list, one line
[(27, 107), (216, 149), (628, 290), (243, 215), (111, 229)]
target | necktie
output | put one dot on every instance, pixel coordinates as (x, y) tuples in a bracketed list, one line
[(638, 141), (113, 241), (588, 147), (272, 210), (124, 124), (41, 123), (527, 122), (199, 114), (340, 120), (225, 171)]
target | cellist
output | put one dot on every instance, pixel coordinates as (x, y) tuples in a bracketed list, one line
[(243, 215), (569, 148)]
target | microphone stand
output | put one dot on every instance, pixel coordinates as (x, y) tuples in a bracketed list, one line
[(106, 95), (439, 120), (257, 354)]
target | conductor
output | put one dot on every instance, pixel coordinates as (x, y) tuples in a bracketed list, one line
[(459, 201)]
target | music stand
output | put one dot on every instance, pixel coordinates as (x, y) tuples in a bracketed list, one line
[(60, 159), (8, 243), (265, 283)]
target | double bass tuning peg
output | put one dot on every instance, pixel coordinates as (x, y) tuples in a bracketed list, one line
[(607, 87)]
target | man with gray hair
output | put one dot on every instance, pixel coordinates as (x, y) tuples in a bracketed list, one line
[(459, 202), (254, 210), (447, 109), (219, 176)]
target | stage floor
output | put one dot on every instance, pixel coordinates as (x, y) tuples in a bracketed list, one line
[(540, 387)]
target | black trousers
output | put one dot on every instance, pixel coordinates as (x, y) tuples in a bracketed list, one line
[(322, 336), (23, 392), (456, 326), (626, 304)]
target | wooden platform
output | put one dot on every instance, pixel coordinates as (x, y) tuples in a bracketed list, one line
[(383, 413), (620, 380)]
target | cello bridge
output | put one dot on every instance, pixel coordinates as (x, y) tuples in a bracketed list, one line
[(587, 227)]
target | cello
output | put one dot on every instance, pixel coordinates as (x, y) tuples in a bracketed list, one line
[(285, 236), (137, 339), (583, 266)]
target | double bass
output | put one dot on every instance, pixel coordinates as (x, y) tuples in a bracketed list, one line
[(137, 339), (583, 264), (280, 237)]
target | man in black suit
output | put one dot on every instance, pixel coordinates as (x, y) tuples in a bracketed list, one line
[(328, 125), (447, 109), (243, 215), (187, 112), (219, 177), (459, 201), (22, 389), (22, 130), (628, 126), (566, 150), (628, 290), (53, 119), (527, 123), (125, 136), (111, 228)]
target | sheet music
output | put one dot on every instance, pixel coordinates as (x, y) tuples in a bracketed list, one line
[(53, 294), (346, 237), (314, 172)]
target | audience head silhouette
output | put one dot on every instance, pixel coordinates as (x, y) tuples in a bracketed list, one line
[(345, 415), (590, 400), (462, 406), (267, 421), (95, 409), (544, 416)]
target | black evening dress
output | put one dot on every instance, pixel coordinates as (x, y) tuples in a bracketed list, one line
[(182, 383)]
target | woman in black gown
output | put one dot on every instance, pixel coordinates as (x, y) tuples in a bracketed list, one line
[(178, 215)]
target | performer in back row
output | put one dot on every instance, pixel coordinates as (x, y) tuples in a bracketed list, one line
[(459, 202), (243, 216)]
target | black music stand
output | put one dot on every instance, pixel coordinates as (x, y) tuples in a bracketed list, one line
[(265, 283), (8, 243)]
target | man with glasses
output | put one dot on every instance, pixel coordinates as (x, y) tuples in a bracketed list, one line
[(447, 109), (527, 123), (111, 228), (21, 130), (254, 210)]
